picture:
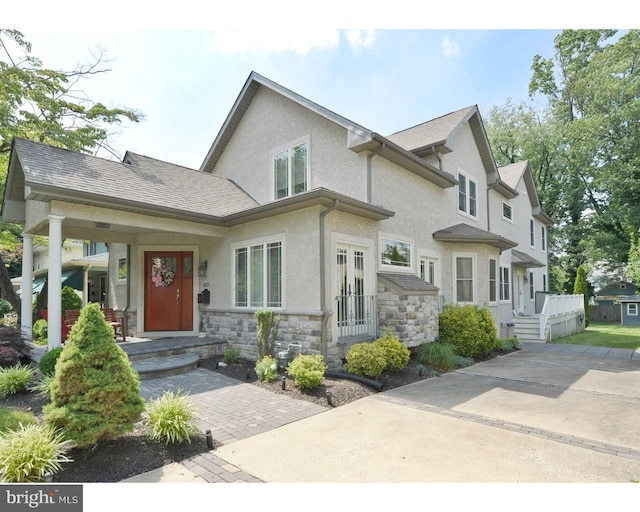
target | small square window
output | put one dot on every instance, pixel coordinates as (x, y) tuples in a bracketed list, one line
[(632, 309), (507, 212)]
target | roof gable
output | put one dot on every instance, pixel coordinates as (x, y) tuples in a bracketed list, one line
[(513, 174)]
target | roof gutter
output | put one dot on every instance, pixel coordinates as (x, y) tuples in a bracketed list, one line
[(326, 311)]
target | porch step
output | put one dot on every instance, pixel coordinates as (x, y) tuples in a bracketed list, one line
[(527, 329), (164, 366)]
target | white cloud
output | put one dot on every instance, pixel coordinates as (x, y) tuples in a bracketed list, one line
[(270, 40), (361, 38), (449, 47)]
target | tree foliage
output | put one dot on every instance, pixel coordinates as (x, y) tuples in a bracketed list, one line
[(582, 146), (580, 287), (47, 106)]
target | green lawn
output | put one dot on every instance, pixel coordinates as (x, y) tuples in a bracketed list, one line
[(605, 335)]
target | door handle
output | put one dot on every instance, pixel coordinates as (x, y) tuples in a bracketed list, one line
[(178, 295)]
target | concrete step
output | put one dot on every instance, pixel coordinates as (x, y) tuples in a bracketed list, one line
[(164, 366)]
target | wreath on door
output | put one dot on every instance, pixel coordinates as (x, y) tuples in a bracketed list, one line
[(162, 275)]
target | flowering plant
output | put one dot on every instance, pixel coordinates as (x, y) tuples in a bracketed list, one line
[(161, 275)]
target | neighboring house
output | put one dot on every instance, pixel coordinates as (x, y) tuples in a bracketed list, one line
[(84, 268), (295, 208), (607, 300), (630, 310)]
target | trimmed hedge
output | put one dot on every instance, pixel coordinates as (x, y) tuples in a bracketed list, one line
[(469, 329)]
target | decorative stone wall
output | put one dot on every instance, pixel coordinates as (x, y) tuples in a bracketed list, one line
[(240, 331), (413, 317)]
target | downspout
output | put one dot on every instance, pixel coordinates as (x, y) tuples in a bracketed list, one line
[(128, 287), (326, 310), (369, 158)]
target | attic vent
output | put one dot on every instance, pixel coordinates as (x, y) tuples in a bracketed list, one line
[(102, 225)]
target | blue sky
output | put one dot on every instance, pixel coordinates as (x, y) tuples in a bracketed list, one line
[(184, 71)]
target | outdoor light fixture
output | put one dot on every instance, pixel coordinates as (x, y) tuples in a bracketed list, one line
[(330, 398), (284, 382), (209, 439)]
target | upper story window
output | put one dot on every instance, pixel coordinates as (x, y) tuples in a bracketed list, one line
[(543, 240), (532, 233), (395, 253), (467, 196), (290, 170), (507, 212)]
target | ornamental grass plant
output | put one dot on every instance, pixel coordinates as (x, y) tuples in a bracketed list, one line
[(15, 379), (172, 418)]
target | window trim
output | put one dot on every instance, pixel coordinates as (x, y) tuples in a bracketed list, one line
[(288, 147), (505, 298), (382, 237), (532, 287), (474, 276), (635, 307), (467, 195), (510, 217), (543, 241), (126, 269), (493, 283), (264, 242), (532, 233)]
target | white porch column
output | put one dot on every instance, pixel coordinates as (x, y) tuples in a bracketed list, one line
[(54, 281), (26, 313)]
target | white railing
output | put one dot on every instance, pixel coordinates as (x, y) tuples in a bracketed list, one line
[(357, 317), (556, 305)]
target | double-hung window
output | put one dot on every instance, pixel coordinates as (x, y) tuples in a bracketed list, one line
[(543, 241), (505, 287), (290, 170), (467, 195), (493, 280), (532, 233), (258, 275), (632, 309), (532, 288), (464, 279)]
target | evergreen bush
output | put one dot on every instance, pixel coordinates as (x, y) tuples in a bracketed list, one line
[(396, 353), (47, 363), (469, 329), (40, 329), (95, 393), (366, 359), (5, 307), (307, 370), (70, 299)]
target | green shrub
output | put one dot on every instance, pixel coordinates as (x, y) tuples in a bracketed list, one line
[(47, 363), (172, 418), (463, 362), (307, 370), (231, 356), (469, 329), (30, 452), (267, 326), (15, 379), (440, 355), (5, 307), (396, 353), (267, 369), (366, 359), (11, 419), (40, 329), (70, 299), (95, 394), (508, 344)]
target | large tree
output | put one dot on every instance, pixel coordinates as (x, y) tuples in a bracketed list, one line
[(47, 106)]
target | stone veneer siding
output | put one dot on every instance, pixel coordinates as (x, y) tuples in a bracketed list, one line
[(239, 329), (412, 316)]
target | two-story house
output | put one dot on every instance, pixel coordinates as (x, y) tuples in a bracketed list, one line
[(343, 232)]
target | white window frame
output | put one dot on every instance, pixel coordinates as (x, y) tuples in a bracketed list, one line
[(632, 306), (493, 281), (386, 239), (288, 148), (472, 257), (543, 241), (429, 269), (122, 262), (466, 194), (505, 287), (532, 287), (532, 233), (264, 242), (508, 218)]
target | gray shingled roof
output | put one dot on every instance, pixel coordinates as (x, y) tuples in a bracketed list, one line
[(408, 282), (522, 259), (430, 133), (464, 233), (147, 184), (512, 173)]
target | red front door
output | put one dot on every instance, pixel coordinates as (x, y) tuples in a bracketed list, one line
[(168, 291)]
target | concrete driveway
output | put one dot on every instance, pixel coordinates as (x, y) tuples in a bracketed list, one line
[(547, 413)]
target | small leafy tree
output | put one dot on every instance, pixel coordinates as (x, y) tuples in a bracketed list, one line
[(268, 326), (95, 394), (580, 287), (70, 299)]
